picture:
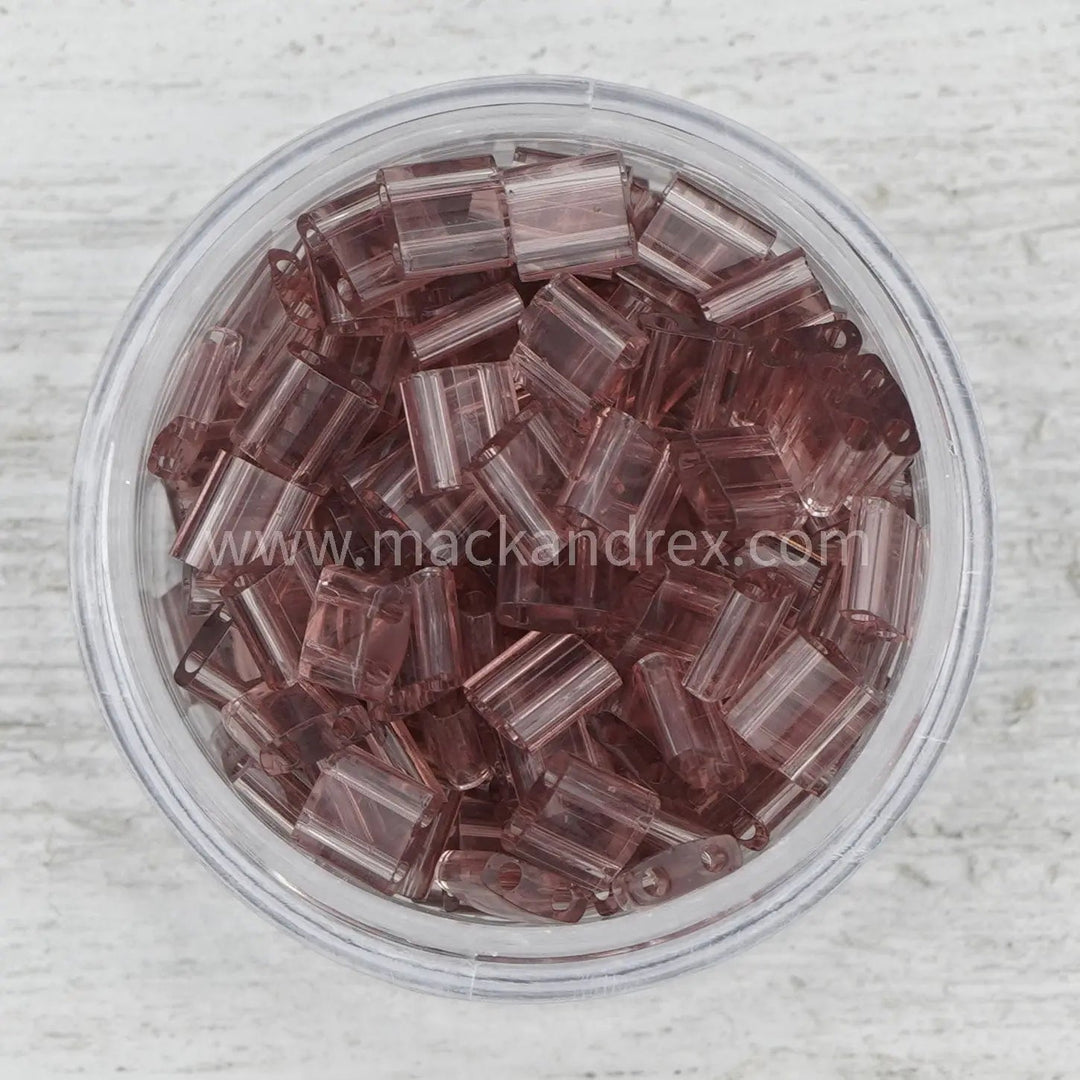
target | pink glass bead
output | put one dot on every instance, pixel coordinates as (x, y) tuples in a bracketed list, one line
[(836, 446), (512, 471), (570, 216), (744, 632), (366, 820), (482, 638), (575, 350), (271, 616), (499, 884), (255, 315), (661, 294), (404, 524), (526, 768), (772, 552), (539, 686), (690, 733), (434, 663), (735, 480), (451, 414), (183, 442), (668, 830), (278, 799), (567, 596), (459, 330), (677, 871), (451, 735), (801, 713), (357, 635), (772, 381), (694, 237), (624, 486), (243, 516), (685, 374), (632, 754), (871, 655), (419, 881), (762, 806), (294, 285), (446, 216), (667, 609), (882, 568), (284, 729), (298, 420), (480, 824), (394, 745), (214, 665), (580, 822), (351, 249), (775, 295)]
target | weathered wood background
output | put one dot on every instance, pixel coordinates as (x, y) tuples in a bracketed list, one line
[(955, 952)]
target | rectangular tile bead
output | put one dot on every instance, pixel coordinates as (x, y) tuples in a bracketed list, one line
[(882, 568), (801, 713), (516, 473), (298, 420), (570, 216), (624, 486), (243, 516), (539, 686), (742, 635), (775, 295), (451, 414), (690, 733), (271, 616), (357, 635), (499, 884), (575, 350), (461, 329), (351, 247), (581, 822), (694, 238), (446, 216), (366, 820), (735, 480)]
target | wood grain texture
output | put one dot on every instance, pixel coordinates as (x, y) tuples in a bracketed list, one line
[(955, 951)]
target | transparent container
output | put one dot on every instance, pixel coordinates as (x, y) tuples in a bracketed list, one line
[(120, 534)]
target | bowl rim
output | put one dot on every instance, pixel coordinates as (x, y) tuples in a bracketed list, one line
[(399, 960)]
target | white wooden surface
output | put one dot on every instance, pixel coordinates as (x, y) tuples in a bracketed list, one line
[(955, 952)]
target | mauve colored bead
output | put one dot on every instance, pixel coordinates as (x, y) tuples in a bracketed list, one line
[(575, 350), (539, 686), (366, 820), (357, 634), (772, 296), (676, 871), (581, 822), (570, 216), (694, 238), (624, 487), (742, 635), (451, 414), (801, 713), (499, 884), (459, 331), (882, 568), (446, 216), (243, 516), (690, 733), (735, 480)]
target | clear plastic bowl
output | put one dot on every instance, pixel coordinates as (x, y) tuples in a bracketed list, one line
[(120, 566)]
